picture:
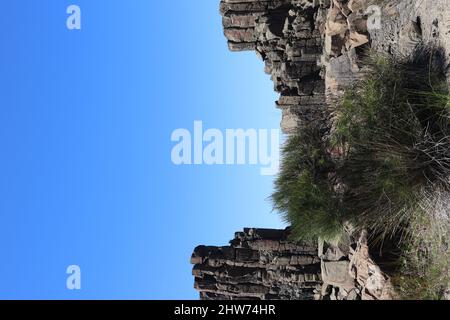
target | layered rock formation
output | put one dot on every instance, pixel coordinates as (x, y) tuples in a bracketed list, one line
[(287, 35), (259, 264), (262, 264)]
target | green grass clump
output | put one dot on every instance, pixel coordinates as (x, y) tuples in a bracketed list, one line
[(394, 127), (384, 168), (303, 192)]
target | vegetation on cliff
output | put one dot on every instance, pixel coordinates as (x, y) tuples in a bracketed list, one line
[(385, 168), (303, 192)]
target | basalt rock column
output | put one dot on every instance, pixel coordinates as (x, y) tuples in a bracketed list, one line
[(259, 264), (287, 35)]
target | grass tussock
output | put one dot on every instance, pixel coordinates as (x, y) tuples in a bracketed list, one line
[(304, 193), (394, 127), (392, 173)]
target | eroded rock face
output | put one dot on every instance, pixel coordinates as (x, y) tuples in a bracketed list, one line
[(349, 273), (262, 264), (407, 23), (311, 48), (308, 46), (287, 35), (346, 34), (259, 264)]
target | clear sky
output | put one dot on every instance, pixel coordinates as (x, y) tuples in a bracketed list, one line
[(86, 176)]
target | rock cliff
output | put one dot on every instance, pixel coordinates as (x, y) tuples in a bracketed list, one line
[(287, 35), (262, 264), (258, 264)]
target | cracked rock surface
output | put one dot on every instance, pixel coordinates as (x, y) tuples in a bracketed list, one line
[(262, 264)]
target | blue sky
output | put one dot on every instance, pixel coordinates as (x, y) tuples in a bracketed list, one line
[(86, 120)]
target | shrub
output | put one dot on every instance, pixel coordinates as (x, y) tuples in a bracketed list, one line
[(304, 193), (391, 135), (394, 127)]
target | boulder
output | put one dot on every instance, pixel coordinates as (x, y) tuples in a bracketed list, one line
[(336, 22), (336, 274), (357, 39)]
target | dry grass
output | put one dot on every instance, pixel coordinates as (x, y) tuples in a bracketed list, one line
[(425, 262)]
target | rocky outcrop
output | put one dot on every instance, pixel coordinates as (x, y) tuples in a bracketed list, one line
[(287, 35), (346, 36), (407, 23), (259, 264), (311, 48), (349, 273), (395, 27), (262, 264)]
